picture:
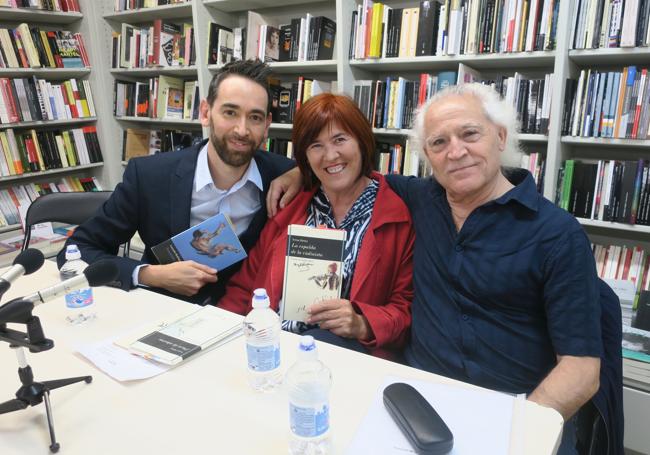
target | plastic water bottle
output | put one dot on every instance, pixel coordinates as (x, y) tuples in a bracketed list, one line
[(262, 332), (308, 382), (76, 300)]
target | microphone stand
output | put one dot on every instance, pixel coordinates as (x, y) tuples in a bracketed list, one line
[(31, 392)]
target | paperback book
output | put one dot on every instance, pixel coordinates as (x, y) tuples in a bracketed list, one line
[(312, 269), (181, 335), (212, 242)]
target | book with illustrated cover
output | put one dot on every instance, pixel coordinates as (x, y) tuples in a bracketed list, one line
[(212, 242), (168, 44), (312, 269), (181, 335), (69, 50)]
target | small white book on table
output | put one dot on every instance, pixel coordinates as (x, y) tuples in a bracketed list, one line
[(184, 334)]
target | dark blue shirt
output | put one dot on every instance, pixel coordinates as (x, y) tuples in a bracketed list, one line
[(495, 302)]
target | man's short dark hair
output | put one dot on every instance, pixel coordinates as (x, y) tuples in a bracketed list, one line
[(255, 70)]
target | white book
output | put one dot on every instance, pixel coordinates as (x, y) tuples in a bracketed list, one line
[(183, 334), (628, 30), (454, 29), (591, 24), (578, 107), (607, 187), (443, 32), (89, 98), (530, 32), (384, 22)]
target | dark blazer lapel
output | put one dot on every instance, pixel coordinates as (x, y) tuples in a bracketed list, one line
[(181, 190)]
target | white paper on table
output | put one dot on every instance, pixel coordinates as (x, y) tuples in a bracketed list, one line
[(477, 418), (119, 363)]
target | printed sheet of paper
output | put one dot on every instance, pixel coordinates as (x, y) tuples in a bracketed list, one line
[(477, 419), (119, 363)]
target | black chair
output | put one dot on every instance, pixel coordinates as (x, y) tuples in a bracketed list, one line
[(70, 208), (600, 423)]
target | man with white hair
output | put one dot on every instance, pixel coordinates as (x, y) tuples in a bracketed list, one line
[(506, 290)]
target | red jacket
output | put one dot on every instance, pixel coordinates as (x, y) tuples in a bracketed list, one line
[(382, 283)]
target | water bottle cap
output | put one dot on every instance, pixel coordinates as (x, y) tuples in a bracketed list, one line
[(307, 343), (72, 252), (260, 298)]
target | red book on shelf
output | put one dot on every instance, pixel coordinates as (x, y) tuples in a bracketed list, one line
[(51, 38), (82, 50), (21, 54), (10, 102), (157, 25), (31, 153)]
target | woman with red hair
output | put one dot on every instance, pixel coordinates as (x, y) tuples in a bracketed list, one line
[(334, 147)]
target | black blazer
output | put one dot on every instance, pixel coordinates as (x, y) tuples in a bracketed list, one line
[(154, 199)]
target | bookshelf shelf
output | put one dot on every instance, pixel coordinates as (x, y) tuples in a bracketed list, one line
[(538, 138), (9, 228), (160, 121), (539, 59), (610, 56), (244, 5), (47, 123), (31, 175), (39, 16), (391, 132), (281, 126), (310, 67), (176, 11), (49, 73), (181, 71), (322, 66), (606, 142), (614, 226)]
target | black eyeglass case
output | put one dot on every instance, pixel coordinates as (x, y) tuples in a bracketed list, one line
[(420, 423)]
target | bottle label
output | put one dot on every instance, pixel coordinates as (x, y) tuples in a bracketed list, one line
[(79, 298), (263, 358), (309, 422)]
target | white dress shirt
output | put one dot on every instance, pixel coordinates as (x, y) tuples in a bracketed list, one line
[(240, 202)]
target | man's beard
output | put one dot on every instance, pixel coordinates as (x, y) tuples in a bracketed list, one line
[(234, 158)]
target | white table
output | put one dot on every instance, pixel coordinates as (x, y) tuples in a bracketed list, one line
[(204, 405)]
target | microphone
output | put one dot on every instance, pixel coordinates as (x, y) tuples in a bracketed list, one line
[(96, 274), (28, 261)]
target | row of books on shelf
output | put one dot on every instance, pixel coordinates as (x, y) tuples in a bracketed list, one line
[(612, 104), (164, 44), (611, 23), (22, 195), (48, 5), (626, 270), (144, 142), (391, 103), (608, 190), (159, 97), (535, 163), (34, 151), (32, 47), (289, 96), (128, 5), (33, 99), (302, 39), (224, 44), (453, 27)]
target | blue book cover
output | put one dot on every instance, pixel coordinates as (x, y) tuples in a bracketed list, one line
[(212, 242)]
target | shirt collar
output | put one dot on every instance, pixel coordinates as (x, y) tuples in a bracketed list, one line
[(203, 178), (524, 192)]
